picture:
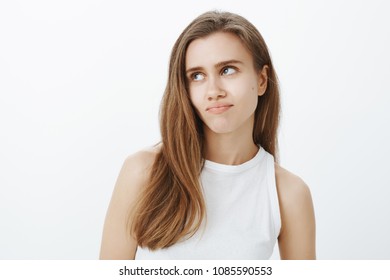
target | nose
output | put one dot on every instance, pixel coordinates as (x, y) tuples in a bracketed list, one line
[(214, 89)]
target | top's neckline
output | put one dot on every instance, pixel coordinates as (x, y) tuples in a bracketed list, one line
[(211, 165)]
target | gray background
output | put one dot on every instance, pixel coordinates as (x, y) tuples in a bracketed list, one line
[(80, 87)]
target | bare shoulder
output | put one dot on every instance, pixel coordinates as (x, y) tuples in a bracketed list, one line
[(297, 235), (145, 157), (291, 188), (140, 163), (117, 243), (135, 172)]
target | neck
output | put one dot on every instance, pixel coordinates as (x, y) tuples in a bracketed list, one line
[(230, 148)]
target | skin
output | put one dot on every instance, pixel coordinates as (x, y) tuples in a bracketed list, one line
[(219, 71), (214, 79)]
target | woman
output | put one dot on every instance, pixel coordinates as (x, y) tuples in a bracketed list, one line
[(212, 189)]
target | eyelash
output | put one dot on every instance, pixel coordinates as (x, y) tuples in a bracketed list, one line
[(223, 69)]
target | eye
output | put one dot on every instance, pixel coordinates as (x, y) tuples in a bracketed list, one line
[(197, 77), (228, 70)]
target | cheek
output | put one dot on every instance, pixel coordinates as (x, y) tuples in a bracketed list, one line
[(246, 90), (248, 99), (196, 102)]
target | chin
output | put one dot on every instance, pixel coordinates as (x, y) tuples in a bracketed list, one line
[(221, 126), (220, 129)]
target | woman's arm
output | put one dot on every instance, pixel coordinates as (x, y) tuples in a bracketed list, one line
[(297, 236), (116, 240)]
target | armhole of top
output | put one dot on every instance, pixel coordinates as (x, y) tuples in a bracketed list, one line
[(273, 193)]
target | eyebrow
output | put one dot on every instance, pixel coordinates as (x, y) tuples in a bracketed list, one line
[(218, 65)]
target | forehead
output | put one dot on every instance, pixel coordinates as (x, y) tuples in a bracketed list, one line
[(217, 47)]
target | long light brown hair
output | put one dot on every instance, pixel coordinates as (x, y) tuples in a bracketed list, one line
[(171, 207)]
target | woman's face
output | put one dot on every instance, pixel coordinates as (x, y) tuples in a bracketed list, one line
[(223, 83)]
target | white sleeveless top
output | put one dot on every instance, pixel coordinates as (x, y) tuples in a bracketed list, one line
[(243, 217)]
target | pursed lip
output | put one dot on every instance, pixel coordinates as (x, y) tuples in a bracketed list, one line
[(219, 105)]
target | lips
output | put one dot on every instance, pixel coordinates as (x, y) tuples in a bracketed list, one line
[(218, 108)]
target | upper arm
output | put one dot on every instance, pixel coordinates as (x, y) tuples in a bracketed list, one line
[(297, 235), (116, 240)]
